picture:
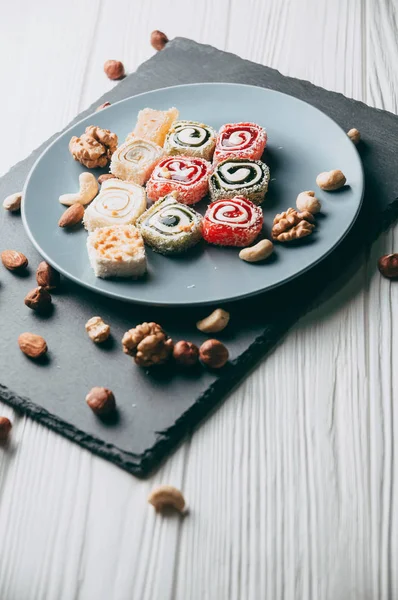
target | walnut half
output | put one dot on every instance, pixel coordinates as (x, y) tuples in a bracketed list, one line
[(148, 344), (292, 225), (94, 148)]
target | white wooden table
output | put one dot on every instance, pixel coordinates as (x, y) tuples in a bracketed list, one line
[(292, 484)]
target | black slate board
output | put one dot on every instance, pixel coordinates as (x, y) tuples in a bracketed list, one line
[(157, 409)]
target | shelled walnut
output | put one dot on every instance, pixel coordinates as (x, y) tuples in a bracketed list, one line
[(292, 225), (94, 148), (148, 344)]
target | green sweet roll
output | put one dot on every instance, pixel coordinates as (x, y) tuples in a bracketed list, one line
[(235, 176), (191, 138), (170, 227)]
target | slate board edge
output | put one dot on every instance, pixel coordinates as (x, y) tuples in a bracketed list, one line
[(141, 465)]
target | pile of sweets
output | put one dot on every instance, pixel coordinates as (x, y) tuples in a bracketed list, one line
[(172, 164)]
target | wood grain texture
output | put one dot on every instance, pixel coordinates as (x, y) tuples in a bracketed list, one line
[(292, 483)]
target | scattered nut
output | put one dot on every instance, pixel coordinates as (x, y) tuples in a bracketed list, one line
[(72, 216), (97, 330), (87, 192), (38, 299), (5, 428), (148, 344), (388, 265), (166, 496), (94, 147), (101, 401), (217, 321), (292, 225), (32, 345), (105, 177), (354, 135), (306, 201), (262, 250), (102, 106), (47, 277), (13, 260), (331, 180), (13, 202), (213, 354), (114, 69), (158, 39), (186, 354)]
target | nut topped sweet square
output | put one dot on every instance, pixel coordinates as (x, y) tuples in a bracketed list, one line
[(117, 251)]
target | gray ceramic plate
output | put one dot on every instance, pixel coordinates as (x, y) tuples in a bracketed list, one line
[(302, 142)]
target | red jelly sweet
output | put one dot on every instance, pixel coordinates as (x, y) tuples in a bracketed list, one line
[(232, 222), (186, 175), (240, 140)]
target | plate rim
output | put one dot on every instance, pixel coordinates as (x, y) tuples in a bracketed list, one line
[(192, 302)]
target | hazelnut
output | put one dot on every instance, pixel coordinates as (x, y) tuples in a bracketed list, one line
[(213, 354), (32, 345), (166, 496), (388, 265), (114, 69), (14, 260), (217, 321), (47, 277), (158, 39), (105, 177), (5, 428), (306, 201), (97, 330), (186, 354), (101, 401), (354, 135), (101, 106), (38, 299)]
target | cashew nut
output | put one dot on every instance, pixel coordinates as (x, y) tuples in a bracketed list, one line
[(331, 180), (307, 201), (262, 250), (88, 191), (217, 321), (166, 496), (97, 330), (13, 202), (354, 135)]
